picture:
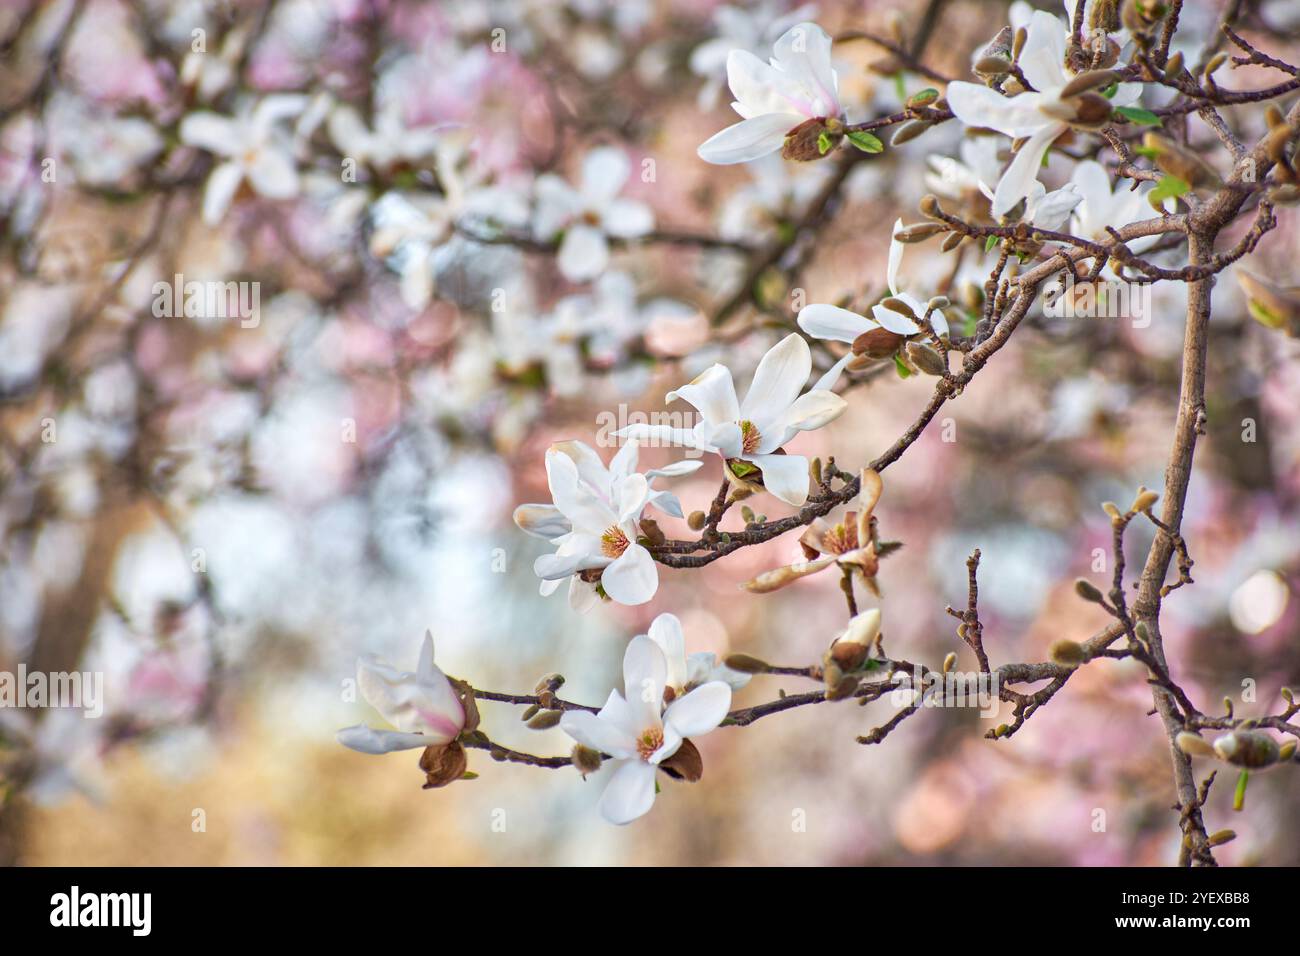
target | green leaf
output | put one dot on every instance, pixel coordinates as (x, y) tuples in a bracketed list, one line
[(866, 142), (900, 86), (1264, 315), (823, 143), (990, 242), (1110, 91), (1169, 187), (1239, 795), (901, 367), (1135, 114), (740, 468)]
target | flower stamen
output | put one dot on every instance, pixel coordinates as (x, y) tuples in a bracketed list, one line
[(613, 542), (749, 437), (648, 741)]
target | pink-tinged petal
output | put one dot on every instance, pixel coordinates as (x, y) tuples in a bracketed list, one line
[(601, 735), (785, 476), (666, 631), (757, 86), (222, 185), (833, 323), (713, 394), (584, 253), (412, 702), (979, 107), (630, 792), (542, 521), (1018, 181), (748, 139), (631, 578), (644, 672), (700, 711), (804, 54), (627, 218), (367, 740), (780, 377), (604, 171)]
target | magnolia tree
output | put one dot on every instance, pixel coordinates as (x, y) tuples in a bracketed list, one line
[(461, 248)]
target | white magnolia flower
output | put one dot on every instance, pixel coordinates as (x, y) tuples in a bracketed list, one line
[(841, 325), (637, 731), (685, 673), (772, 413), (978, 169), (590, 214), (594, 523), (257, 150), (389, 144), (1050, 210), (1041, 115), (740, 28), (796, 86), (1100, 206), (421, 705)]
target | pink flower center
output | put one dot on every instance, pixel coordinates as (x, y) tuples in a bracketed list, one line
[(649, 741), (749, 437), (613, 542)]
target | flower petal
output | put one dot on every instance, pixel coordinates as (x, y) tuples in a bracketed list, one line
[(542, 521), (699, 711), (631, 578), (273, 174), (780, 377), (785, 476), (1017, 182), (222, 185), (367, 740), (213, 132), (982, 108), (627, 218), (591, 731), (604, 171), (748, 139), (630, 792), (644, 671), (809, 411), (832, 322), (666, 631), (584, 253), (713, 394), (1043, 59)]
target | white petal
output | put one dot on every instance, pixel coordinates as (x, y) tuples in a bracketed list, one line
[(604, 171), (542, 521), (832, 374), (810, 411), (632, 494), (627, 218), (631, 578), (699, 711), (713, 394), (832, 322), (893, 321), (591, 468), (785, 476), (273, 174), (367, 740), (1043, 60), (582, 596), (780, 377), (804, 53), (757, 87), (630, 792), (980, 107), (644, 671), (217, 134), (676, 469), (590, 731), (558, 566), (895, 258), (584, 253), (1020, 176), (646, 434), (222, 185), (575, 499), (666, 631), (412, 702), (748, 139)]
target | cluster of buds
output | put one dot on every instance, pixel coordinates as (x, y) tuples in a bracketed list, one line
[(813, 139), (1250, 749)]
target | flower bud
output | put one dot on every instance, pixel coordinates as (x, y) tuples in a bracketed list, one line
[(926, 359), (1252, 749), (695, 521), (908, 132), (1087, 590), (686, 764), (1287, 751), (919, 232), (1174, 66), (844, 687), (951, 241), (1193, 745), (585, 760), (1091, 110), (950, 662), (1144, 500), (443, 765), (1068, 653), (1112, 510), (993, 65), (878, 343), (746, 664), (812, 139), (545, 720), (929, 205), (1220, 837), (1089, 80), (894, 304)]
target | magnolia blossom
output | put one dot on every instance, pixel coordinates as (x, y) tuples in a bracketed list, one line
[(422, 705), (638, 732), (796, 87), (257, 150), (969, 177), (848, 544), (390, 143), (740, 28), (685, 673), (1041, 115), (593, 521), (1046, 210), (1101, 206), (754, 431), (831, 322), (590, 214)]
